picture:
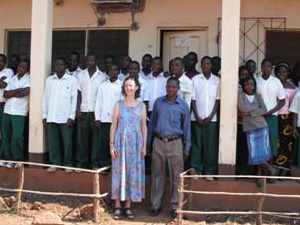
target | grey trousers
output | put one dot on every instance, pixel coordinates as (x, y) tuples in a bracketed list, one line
[(165, 154)]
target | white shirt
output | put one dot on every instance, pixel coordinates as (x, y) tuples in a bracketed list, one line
[(17, 106), (186, 89), (295, 106), (75, 72), (89, 87), (5, 75), (205, 93), (271, 90), (60, 98), (109, 93), (156, 87), (144, 76)]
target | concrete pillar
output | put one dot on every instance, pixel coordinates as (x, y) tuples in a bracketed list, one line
[(41, 49), (229, 84)]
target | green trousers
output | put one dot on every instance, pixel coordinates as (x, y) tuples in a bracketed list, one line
[(101, 157), (60, 144), (12, 130), (87, 140), (273, 133), (205, 145)]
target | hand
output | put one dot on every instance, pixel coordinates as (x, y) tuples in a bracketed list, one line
[(113, 152), (2, 83), (144, 152), (70, 123), (295, 133), (44, 122), (243, 114), (97, 123), (185, 155), (206, 120), (199, 121), (78, 114)]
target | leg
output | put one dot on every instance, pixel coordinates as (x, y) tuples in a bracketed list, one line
[(210, 146), (103, 143), (273, 132), (54, 144), (17, 140), (83, 134), (96, 148), (158, 174), (6, 137), (175, 164), (197, 148), (67, 143)]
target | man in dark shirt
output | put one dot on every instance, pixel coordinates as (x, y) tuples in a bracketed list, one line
[(171, 134)]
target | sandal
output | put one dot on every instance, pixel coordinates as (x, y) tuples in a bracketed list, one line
[(117, 214), (129, 214)]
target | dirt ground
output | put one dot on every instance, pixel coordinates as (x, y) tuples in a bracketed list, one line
[(80, 212)]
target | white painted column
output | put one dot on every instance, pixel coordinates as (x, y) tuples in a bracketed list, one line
[(229, 80), (41, 50)]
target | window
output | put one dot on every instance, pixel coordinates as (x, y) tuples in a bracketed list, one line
[(18, 42)]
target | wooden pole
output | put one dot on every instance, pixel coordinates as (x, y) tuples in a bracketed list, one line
[(20, 186), (261, 203), (96, 190), (181, 198)]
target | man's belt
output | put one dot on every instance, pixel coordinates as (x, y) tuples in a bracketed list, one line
[(167, 138)]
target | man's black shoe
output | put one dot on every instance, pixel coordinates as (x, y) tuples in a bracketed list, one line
[(155, 212), (173, 214)]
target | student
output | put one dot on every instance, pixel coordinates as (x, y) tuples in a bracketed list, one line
[(73, 64), (109, 93), (295, 110), (128, 138), (169, 131), (205, 104), (251, 67), (59, 109), (156, 85), (13, 62), (190, 62), (170, 72), (15, 112), (146, 66), (286, 137), (124, 67), (252, 108), (89, 81), (273, 95), (216, 65), (186, 84), (108, 61)]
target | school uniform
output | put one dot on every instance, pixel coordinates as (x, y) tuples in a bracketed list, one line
[(109, 93), (186, 89), (205, 138), (87, 133), (271, 90), (74, 73), (59, 105), (295, 108), (14, 120), (156, 87)]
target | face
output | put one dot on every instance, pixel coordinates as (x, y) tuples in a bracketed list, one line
[(266, 68), (146, 62), (108, 63), (171, 68), (133, 70), (73, 62), (91, 61), (60, 66), (283, 73), (251, 67), (130, 87), (13, 62), (177, 67), (249, 87), (22, 68), (191, 61), (243, 74), (206, 66), (156, 66), (2, 63), (172, 88), (126, 61), (114, 72)]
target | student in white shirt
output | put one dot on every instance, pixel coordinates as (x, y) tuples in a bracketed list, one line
[(73, 64), (109, 93), (59, 109), (205, 104), (185, 83), (89, 81), (146, 67), (273, 94), (126, 60), (156, 86), (15, 113)]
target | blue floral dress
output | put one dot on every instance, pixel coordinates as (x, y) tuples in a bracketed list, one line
[(128, 169)]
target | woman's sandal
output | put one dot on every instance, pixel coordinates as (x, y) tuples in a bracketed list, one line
[(128, 213), (117, 213)]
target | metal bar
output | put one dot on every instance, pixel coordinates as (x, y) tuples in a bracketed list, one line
[(237, 213)]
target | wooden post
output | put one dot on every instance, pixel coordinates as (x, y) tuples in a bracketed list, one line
[(96, 188), (20, 186), (261, 202), (181, 198)]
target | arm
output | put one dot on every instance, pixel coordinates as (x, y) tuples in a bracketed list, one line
[(45, 102), (144, 130), (114, 125), (195, 110), (152, 123), (17, 93), (74, 96), (98, 108), (281, 100), (261, 109), (186, 130)]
